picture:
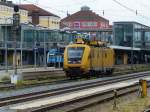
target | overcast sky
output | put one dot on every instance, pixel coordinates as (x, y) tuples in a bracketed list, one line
[(112, 10)]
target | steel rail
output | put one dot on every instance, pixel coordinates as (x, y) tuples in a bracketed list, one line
[(61, 90), (85, 101), (29, 75)]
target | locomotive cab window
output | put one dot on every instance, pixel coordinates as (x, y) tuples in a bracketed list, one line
[(75, 54)]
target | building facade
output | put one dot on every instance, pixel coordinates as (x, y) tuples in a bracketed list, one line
[(7, 10), (30, 40), (84, 19), (41, 17), (88, 24), (131, 42), (131, 34)]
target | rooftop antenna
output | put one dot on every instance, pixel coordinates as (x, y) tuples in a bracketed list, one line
[(68, 13), (37, 2)]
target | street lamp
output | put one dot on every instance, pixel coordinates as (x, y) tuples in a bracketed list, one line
[(132, 50), (44, 49), (35, 47), (6, 53)]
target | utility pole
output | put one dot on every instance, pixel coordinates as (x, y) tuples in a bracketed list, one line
[(21, 46), (6, 53), (132, 53), (44, 48), (35, 47)]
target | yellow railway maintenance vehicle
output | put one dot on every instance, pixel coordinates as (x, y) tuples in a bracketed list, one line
[(88, 58)]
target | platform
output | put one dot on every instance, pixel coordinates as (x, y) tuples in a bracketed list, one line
[(3, 73), (73, 95)]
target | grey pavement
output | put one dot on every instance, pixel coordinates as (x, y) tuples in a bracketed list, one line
[(34, 69)]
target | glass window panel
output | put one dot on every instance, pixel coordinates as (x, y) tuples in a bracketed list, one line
[(123, 34), (137, 36), (28, 35), (147, 36)]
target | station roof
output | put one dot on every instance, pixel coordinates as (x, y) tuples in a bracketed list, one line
[(90, 30), (33, 8), (128, 48), (84, 14), (130, 22), (124, 48)]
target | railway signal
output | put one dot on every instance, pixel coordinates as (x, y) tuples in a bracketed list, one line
[(16, 25)]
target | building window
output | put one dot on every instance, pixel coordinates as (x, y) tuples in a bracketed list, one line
[(123, 34), (103, 25), (89, 24), (137, 36), (147, 36), (76, 24)]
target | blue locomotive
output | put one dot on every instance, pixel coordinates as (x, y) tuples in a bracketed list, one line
[(55, 57)]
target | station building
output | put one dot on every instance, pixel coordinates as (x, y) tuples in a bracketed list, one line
[(129, 39), (30, 40), (89, 23), (84, 19), (36, 27), (6, 18), (131, 42)]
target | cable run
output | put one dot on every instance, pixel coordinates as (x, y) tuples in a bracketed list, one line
[(131, 10)]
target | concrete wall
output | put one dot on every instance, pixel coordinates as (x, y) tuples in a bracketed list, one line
[(49, 21)]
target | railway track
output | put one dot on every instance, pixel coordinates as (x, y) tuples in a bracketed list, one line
[(84, 102), (58, 73), (42, 74), (67, 89)]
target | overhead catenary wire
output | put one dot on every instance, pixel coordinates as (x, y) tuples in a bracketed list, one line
[(103, 10), (131, 10), (137, 12)]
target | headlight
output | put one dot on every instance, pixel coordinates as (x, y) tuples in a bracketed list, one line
[(69, 61), (79, 61)]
